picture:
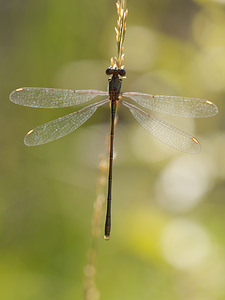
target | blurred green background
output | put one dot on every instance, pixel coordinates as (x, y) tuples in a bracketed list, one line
[(168, 222)]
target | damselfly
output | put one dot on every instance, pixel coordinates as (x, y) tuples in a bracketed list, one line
[(171, 105)]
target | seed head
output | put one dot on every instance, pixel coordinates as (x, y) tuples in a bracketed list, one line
[(120, 32)]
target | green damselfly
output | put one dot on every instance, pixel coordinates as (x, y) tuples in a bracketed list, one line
[(171, 105)]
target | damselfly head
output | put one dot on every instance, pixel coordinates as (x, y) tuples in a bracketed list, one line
[(115, 71)]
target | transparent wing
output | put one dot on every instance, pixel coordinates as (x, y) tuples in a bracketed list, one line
[(175, 106), (165, 132), (60, 127), (49, 97)]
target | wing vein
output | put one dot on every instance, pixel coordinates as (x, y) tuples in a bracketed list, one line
[(51, 97), (174, 105), (164, 131), (62, 126)]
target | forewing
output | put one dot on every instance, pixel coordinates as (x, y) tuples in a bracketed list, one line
[(60, 127), (165, 132), (175, 106), (50, 97)]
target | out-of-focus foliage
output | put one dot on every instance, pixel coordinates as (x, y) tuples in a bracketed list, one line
[(168, 222)]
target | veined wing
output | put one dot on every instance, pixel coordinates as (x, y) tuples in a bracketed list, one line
[(50, 97), (165, 132), (175, 106), (60, 127)]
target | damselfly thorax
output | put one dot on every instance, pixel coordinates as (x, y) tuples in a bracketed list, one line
[(115, 82)]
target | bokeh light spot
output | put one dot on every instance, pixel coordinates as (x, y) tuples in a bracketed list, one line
[(184, 244), (184, 182)]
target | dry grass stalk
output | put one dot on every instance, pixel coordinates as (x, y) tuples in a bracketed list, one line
[(90, 289), (120, 33)]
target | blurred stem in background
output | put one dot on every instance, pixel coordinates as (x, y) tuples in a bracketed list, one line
[(90, 290)]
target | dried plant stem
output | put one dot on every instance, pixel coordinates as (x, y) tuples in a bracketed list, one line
[(90, 289), (120, 33)]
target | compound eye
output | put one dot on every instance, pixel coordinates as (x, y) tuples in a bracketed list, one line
[(122, 72), (109, 71)]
